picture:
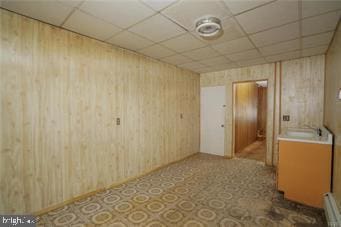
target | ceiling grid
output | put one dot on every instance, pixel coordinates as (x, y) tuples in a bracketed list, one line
[(254, 32)]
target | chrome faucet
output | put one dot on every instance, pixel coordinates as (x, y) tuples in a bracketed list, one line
[(317, 129), (319, 132)]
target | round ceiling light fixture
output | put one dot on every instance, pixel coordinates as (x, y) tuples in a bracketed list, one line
[(208, 27)]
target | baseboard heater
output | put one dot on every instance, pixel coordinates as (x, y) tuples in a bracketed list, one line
[(331, 210)]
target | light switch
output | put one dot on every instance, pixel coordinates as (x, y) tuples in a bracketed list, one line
[(339, 95)]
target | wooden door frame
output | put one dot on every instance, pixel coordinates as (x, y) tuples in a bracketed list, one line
[(234, 114)]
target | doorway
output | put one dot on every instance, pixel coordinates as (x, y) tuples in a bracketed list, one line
[(249, 117), (212, 120)]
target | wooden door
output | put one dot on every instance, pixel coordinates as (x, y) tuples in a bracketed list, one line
[(246, 95)]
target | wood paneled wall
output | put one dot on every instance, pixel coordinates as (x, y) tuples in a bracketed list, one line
[(261, 110), (60, 96), (302, 92), (246, 102), (295, 87), (332, 111), (227, 78)]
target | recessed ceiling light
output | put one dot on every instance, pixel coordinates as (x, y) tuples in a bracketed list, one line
[(208, 27)]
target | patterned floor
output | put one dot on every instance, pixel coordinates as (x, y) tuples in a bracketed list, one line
[(203, 190), (255, 151)]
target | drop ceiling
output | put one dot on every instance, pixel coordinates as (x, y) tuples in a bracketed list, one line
[(255, 31)]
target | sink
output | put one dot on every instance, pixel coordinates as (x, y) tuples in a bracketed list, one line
[(306, 135), (301, 134)]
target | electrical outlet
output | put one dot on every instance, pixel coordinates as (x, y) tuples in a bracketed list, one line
[(118, 121), (286, 117)]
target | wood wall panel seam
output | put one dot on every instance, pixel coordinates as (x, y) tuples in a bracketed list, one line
[(274, 117)]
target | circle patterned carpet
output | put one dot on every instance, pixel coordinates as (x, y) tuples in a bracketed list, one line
[(203, 190)]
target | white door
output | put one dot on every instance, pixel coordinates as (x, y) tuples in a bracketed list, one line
[(212, 119)]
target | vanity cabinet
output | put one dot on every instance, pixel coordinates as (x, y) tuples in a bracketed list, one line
[(304, 171)]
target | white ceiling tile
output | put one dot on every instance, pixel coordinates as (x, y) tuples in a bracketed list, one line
[(275, 35), (322, 23), (202, 53), (52, 12), (314, 51), (284, 56), (317, 40), (176, 59), (191, 65), (278, 48), (246, 55), (241, 6), (233, 46), (205, 69), (231, 31), (224, 67), (315, 7), (220, 60), (73, 3), (271, 15), (183, 43), (257, 61), (130, 41), (157, 28), (120, 13), (90, 26), (156, 51), (187, 12), (158, 5)]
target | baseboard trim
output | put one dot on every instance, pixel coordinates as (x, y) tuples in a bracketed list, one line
[(76, 198)]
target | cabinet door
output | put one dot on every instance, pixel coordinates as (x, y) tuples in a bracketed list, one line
[(304, 171)]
